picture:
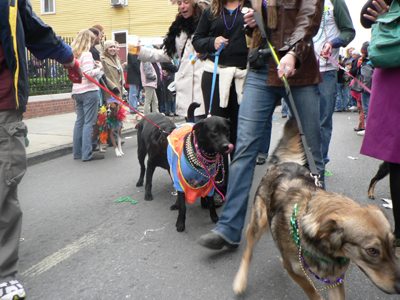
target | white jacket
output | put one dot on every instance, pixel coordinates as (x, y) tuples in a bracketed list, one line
[(188, 77)]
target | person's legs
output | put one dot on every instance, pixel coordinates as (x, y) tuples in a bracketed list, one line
[(339, 103), (307, 100), (285, 108), (149, 91), (12, 169), (265, 143), (327, 91), (259, 101), (154, 101), (133, 96), (361, 116), (78, 128), (90, 101), (365, 96), (346, 98)]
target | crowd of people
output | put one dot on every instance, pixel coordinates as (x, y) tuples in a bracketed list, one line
[(208, 41)]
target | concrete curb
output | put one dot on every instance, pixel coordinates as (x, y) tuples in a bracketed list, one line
[(59, 151), (56, 152)]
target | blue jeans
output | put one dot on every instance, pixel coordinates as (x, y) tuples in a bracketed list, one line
[(86, 111), (365, 96), (170, 106), (346, 98), (327, 90), (133, 96), (266, 138), (339, 96), (285, 108), (256, 109)]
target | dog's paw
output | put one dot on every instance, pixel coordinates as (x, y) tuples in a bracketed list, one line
[(139, 183), (148, 197), (204, 203), (174, 207), (214, 218), (118, 153), (240, 283), (180, 226)]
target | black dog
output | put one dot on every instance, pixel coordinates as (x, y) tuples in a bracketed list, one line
[(383, 171), (152, 142), (211, 136)]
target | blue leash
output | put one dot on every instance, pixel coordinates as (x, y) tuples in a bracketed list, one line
[(216, 54)]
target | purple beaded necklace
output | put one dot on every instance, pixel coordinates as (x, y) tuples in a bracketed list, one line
[(223, 13)]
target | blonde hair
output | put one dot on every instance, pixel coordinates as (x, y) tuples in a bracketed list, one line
[(82, 42), (217, 7)]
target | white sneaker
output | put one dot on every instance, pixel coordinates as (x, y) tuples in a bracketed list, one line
[(353, 108), (11, 290), (362, 133)]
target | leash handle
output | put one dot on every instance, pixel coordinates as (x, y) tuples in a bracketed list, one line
[(348, 73), (307, 150), (216, 54), (121, 101)]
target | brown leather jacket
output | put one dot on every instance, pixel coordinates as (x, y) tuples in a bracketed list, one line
[(298, 23)]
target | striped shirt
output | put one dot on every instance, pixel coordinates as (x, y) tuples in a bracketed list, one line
[(88, 67)]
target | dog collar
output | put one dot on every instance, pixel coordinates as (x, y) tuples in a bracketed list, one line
[(296, 239), (296, 236)]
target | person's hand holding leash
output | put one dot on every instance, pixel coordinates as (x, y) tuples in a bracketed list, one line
[(218, 42), (286, 66), (249, 18), (75, 73), (380, 8)]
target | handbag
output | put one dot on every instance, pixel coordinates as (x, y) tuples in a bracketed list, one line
[(384, 49), (355, 86)]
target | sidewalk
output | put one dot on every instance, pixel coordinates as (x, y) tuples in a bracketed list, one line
[(51, 136)]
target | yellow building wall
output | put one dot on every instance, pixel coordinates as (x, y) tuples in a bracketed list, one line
[(145, 18)]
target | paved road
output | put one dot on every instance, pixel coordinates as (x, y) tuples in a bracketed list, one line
[(80, 244)]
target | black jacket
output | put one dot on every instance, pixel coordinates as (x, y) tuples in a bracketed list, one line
[(133, 76), (209, 28)]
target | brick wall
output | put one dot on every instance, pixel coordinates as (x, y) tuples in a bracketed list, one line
[(40, 106)]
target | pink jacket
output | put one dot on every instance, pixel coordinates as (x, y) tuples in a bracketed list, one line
[(148, 74)]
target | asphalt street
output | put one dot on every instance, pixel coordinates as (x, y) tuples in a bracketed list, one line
[(78, 243)]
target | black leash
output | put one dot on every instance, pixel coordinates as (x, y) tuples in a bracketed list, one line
[(311, 162)]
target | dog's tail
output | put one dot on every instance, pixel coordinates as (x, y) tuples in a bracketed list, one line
[(190, 112), (290, 148)]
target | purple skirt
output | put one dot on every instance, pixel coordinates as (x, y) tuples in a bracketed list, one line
[(382, 134)]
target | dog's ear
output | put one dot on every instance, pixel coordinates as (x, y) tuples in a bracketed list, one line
[(331, 235), (199, 125)]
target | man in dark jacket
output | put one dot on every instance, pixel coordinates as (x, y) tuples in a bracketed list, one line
[(19, 27), (134, 81)]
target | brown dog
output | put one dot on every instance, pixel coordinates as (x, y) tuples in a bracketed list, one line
[(110, 119), (317, 230)]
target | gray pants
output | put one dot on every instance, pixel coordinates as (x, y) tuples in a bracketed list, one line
[(151, 100), (12, 169)]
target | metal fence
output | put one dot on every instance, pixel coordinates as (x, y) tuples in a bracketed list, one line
[(47, 76)]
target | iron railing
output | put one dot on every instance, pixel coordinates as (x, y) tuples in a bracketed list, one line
[(47, 76)]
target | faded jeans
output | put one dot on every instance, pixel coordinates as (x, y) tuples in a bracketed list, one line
[(86, 112), (327, 90), (134, 91), (256, 109)]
